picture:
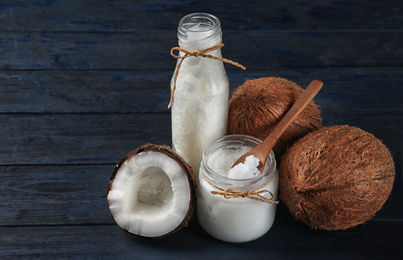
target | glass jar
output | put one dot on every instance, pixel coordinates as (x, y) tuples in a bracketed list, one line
[(235, 219), (200, 105)]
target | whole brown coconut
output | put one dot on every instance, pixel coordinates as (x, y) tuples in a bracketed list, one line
[(258, 105), (336, 177)]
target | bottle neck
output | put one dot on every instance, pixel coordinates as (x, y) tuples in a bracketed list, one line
[(199, 31)]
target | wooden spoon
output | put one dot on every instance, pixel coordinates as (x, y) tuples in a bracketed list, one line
[(262, 150)]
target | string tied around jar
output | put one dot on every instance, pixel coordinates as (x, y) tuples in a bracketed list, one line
[(197, 53), (255, 194)]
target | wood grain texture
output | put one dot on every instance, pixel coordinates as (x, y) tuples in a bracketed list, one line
[(285, 241), (83, 82), (48, 139), (66, 195), (78, 139), (54, 195), (268, 50), (370, 89), (102, 15)]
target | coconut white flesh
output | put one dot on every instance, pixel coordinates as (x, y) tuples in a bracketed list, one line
[(150, 195)]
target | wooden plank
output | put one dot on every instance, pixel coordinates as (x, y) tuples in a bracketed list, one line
[(307, 49), (345, 89), (104, 139), (149, 50), (81, 51), (78, 139), (380, 240), (56, 195), (92, 15), (84, 91)]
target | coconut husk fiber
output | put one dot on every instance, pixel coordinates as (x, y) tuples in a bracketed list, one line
[(336, 177), (258, 105)]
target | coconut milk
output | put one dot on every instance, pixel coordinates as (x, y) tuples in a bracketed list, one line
[(200, 104), (238, 219)]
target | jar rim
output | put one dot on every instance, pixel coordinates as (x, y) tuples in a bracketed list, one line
[(238, 184)]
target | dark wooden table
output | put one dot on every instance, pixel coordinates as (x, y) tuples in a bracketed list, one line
[(83, 82)]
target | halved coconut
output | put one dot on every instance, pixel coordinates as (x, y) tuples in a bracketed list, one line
[(152, 192)]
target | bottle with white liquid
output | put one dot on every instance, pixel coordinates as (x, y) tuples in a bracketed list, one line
[(200, 104), (236, 209)]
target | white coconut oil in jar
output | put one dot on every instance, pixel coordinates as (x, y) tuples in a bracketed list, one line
[(233, 217), (200, 104)]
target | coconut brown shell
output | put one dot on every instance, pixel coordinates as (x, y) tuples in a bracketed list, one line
[(336, 177), (258, 105), (181, 162)]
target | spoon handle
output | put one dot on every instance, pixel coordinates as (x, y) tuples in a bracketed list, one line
[(307, 95), (262, 150)]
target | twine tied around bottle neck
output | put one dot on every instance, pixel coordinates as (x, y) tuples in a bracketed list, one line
[(197, 53), (255, 194)]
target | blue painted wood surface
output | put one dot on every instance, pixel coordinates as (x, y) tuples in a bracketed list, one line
[(83, 82)]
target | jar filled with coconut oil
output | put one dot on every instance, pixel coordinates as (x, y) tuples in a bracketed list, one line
[(200, 105), (235, 209)]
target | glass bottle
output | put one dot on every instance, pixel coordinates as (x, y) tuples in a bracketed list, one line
[(200, 104), (237, 219)]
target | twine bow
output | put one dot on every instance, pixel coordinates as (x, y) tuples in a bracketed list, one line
[(255, 194), (197, 53)]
